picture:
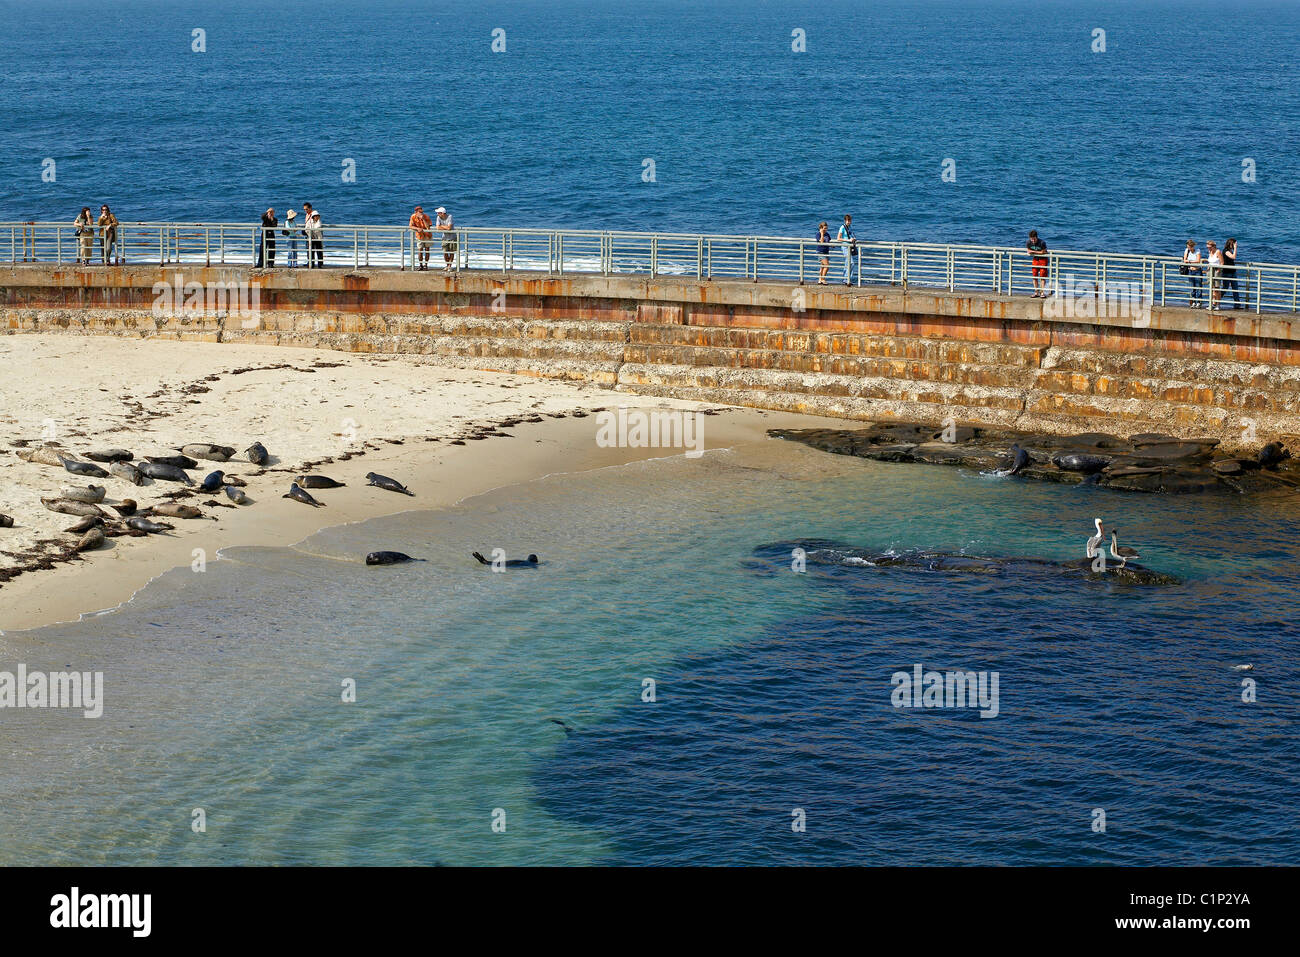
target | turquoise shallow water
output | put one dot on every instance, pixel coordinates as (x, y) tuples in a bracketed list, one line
[(773, 688)]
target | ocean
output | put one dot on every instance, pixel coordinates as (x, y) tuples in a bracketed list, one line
[(1134, 149), (521, 699)]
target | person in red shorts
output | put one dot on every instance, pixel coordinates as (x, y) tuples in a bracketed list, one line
[(1038, 249)]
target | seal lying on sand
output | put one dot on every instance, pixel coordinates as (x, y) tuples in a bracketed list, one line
[(85, 525), (257, 454), (237, 495), (168, 473), (125, 508), (384, 482), (110, 455), (6, 521), (94, 494), (389, 558), (72, 508), (213, 481), (173, 510), (128, 472), (319, 481), (298, 494), (213, 453), (84, 468), (44, 455), (144, 525), (179, 461), (529, 562)]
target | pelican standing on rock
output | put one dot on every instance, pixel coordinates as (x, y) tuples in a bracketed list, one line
[(1093, 542), (1122, 552)]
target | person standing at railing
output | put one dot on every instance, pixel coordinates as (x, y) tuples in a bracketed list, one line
[(823, 251), (850, 242), (107, 224), (422, 230), (1191, 268), (266, 240), (448, 228), (1215, 268), (292, 233), (85, 233), (1038, 264), (1230, 272), (315, 237)]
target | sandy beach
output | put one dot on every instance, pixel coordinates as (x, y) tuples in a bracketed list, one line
[(446, 433)]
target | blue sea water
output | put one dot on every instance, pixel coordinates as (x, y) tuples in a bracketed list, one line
[(1134, 149), (523, 695), (523, 692)]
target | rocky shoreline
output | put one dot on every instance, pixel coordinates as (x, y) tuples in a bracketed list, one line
[(1147, 462)]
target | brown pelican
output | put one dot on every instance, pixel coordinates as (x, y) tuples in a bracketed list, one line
[(1093, 542), (1122, 552)]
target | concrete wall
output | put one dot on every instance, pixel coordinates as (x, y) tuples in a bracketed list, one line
[(871, 353)]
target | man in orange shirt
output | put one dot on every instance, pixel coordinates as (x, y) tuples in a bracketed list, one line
[(421, 225)]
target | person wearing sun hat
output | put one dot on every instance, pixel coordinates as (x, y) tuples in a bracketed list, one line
[(448, 228), (292, 233)]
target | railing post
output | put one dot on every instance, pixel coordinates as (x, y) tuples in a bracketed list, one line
[(654, 255), (951, 281), (699, 258), (356, 249), (1164, 272), (801, 262), (902, 259), (559, 251)]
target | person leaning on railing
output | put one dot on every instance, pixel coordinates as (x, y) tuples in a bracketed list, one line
[(85, 233), (109, 251), (315, 237), (1191, 268), (850, 243), (1230, 273)]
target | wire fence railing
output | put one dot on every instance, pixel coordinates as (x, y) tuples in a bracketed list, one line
[(1071, 280)]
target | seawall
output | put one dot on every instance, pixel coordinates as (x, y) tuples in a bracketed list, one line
[(870, 353)]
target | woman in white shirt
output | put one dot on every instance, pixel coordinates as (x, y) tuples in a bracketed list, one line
[(1215, 259), (1192, 270)]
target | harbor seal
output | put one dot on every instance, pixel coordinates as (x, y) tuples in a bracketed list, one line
[(94, 538), (529, 562), (44, 455), (85, 525), (384, 482), (110, 455), (173, 510), (213, 481), (389, 558), (6, 521), (1271, 454), (141, 524), (237, 495), (213, 453), (127, 472), (168, 473), (177, 461), (257, 454), (72, 508), (94, 494), (126, 508), (1081, 462), (84, 468), (319, 481), (298, 494)]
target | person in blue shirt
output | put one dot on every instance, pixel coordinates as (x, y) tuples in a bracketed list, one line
[(850, 243), (823, 251)]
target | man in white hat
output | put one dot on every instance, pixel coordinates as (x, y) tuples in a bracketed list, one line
[(292, 233), (444, 223)]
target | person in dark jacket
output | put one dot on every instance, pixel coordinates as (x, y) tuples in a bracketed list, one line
[(266, 240)]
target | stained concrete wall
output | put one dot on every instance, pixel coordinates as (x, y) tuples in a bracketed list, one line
[(871, 353)]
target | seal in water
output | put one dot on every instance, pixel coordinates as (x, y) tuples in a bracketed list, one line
[(257, 454), (319, 481), (237, 495), (179, 461), (383, 481), (389, 558), (94, 494), (213, 453), (1081, 462), (141, 524), (6, 521), (84, 468), (127, 471), (110, 455), (298, 494), (126, 508), (1019, 458), (529, 562), (213, 481), (168, 473)]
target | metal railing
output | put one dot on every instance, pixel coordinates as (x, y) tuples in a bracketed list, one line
[(1070, 279)]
